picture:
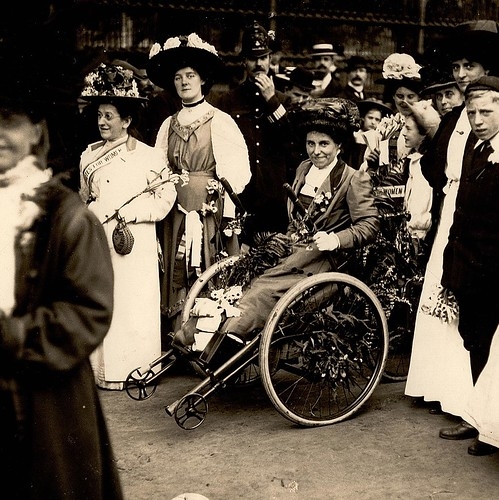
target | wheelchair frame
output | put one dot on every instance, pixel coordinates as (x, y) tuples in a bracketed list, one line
[(317, 387)]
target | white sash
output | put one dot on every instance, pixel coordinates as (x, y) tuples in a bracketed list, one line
[(92, 167)]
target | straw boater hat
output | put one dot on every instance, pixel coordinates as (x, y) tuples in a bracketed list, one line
[(326, 49), (334, 116), (111, 83), (182, 52)]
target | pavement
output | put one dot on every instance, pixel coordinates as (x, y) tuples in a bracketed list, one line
[(245, 449)]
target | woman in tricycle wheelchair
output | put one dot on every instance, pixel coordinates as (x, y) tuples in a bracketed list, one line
[(332, 211)]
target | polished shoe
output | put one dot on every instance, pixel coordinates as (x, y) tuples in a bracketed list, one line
[(479, 449), (463, 430), (435, 409)]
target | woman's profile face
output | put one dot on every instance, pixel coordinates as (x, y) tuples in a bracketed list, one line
[(412, 136), (402, 97), (321, 149), (188, 84), (111, 125), (18, 136)]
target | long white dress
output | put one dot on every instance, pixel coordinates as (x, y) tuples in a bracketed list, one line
[(134, 337), (440, 366), (482, 408)]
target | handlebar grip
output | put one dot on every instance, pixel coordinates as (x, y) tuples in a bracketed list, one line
[(294, 199), (232, 195)]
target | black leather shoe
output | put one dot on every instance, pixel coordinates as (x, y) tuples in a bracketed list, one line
[(463, 430), (479, 449), (435, 409)]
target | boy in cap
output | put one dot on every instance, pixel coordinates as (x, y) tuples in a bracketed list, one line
[(471, 257)]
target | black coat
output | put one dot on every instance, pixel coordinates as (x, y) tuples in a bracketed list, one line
[(471, 257), (53, 437), (267, 136)]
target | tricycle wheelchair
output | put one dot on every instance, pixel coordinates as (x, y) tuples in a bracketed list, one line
[(320, 355)]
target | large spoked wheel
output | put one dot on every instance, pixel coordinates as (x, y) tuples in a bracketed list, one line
[(323, 349), (212, 279), (401, 326)]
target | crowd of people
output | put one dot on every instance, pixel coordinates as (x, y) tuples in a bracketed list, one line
[(156, 207)]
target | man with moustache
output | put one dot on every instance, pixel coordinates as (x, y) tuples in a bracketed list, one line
[(325, 57), (259, 111), (357, 70)]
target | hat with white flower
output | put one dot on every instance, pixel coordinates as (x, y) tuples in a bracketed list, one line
[(109, 82), (181, 52), (401, 70)]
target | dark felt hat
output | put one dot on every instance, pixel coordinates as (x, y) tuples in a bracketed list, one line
[(327, 49), (257, 41), (302, 78), (356, 62), (477, 41), (368, 104), (109, 82), (334, 116), (484, 83), (182, 52)]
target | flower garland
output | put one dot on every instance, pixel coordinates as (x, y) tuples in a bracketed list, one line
[(193, 40), (112, 81)]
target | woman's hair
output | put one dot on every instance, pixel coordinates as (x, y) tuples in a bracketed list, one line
[(204, 74), (127, 108), (391, 87)]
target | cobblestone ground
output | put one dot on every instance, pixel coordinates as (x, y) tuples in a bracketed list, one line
[(246, 450)]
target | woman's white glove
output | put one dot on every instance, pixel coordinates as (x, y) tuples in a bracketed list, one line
[(326, 242)]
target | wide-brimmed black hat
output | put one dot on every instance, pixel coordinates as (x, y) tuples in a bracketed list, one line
[(109, 82), (477, 41), (334, 116), (257, 41), (182, 52), (368, 104), (435, 78)]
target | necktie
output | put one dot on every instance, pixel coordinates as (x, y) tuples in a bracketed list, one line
[(481, 157)]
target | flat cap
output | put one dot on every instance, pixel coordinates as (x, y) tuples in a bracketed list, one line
[(484, 83)]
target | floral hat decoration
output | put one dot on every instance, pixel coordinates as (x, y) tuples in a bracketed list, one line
[(401, 70), (181, 52), (110, 81)]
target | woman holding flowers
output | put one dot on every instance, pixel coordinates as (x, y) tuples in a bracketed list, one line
[(338, 215), (128, 186), (207, 143)]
